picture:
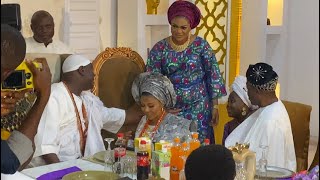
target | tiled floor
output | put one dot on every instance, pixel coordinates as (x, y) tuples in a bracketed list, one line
[(312, 148)]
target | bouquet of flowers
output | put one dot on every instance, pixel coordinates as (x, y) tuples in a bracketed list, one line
[(305, 175)]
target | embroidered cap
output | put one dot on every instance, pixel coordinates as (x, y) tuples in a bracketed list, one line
[(73, 62), (262, 76)]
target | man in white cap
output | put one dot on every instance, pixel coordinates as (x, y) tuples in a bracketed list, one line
[(72, 121)]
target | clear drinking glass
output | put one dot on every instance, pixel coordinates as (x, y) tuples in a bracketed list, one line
[(118, 168), (241, 173), (129, 166), (109, 155), (263, 162)]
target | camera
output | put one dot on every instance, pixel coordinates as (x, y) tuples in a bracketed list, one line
[(20, 79)]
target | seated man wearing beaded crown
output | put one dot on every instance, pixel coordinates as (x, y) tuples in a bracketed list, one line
[(270, 124)]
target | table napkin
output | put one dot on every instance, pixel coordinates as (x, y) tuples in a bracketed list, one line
[(55, 175)]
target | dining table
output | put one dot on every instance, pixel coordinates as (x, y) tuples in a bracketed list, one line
[(85, 164)]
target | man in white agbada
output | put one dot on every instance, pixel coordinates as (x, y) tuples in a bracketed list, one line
[(73, 118), (270, 124), (42, 26)]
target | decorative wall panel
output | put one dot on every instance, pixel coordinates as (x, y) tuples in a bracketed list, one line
[(213, 28)]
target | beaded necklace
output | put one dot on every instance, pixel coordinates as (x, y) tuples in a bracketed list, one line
[(83, 133), (143, 132), (179, 48)]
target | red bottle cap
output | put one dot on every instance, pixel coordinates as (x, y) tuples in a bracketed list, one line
[(176, 139), (120, 134), (207, 141), (143, 142)]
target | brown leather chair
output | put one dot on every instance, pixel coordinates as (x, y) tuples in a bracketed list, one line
[(300, 119), (115, 70)]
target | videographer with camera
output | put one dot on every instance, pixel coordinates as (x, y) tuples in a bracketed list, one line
[(17, 151)]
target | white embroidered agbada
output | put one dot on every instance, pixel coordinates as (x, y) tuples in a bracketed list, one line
[(58, 132), (270, 126), (56, 47)]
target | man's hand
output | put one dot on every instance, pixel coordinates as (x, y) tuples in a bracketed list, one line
[(133, 115), (215, 117), (41, 77), (128, 135), (9, 100)]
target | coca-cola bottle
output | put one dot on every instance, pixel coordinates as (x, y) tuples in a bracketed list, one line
[(120, 148), (143, 164)]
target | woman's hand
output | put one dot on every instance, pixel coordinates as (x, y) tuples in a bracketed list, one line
[(173, 111), (215, 117)]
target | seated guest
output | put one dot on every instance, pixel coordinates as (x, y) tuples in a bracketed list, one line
[(155, 93), (42, 26), (222, 164), (73, 118), (270, 124), (239, 106)]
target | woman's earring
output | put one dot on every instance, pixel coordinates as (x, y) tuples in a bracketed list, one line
[(162, 109), (244, 112)]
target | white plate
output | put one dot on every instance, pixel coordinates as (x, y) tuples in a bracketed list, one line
[(275, 172), (91, 175)]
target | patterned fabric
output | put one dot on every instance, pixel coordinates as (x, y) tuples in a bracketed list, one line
[(187, 10), (172, 126), (196, 78), (156, 84), (14, 120)]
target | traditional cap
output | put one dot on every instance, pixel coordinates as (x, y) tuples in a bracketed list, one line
[(185, 9), (262, 76), (73, 62), (239, 86)]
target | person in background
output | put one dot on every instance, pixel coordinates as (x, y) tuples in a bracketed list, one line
[(269, 125), (155, 93), (17, 150), (239, 106), (222, 165), (190, 64), (42, 26), (71, 124)]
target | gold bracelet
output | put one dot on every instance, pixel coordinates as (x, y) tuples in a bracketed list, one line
[(215, 106)]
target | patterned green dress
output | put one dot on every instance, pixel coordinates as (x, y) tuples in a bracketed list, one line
[(196, 77)]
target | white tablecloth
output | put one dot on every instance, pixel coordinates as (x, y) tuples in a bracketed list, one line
[(16, 176), (33, 173)]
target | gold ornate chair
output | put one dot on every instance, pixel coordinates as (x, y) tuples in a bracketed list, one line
[(115, 70), (300, 119)]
